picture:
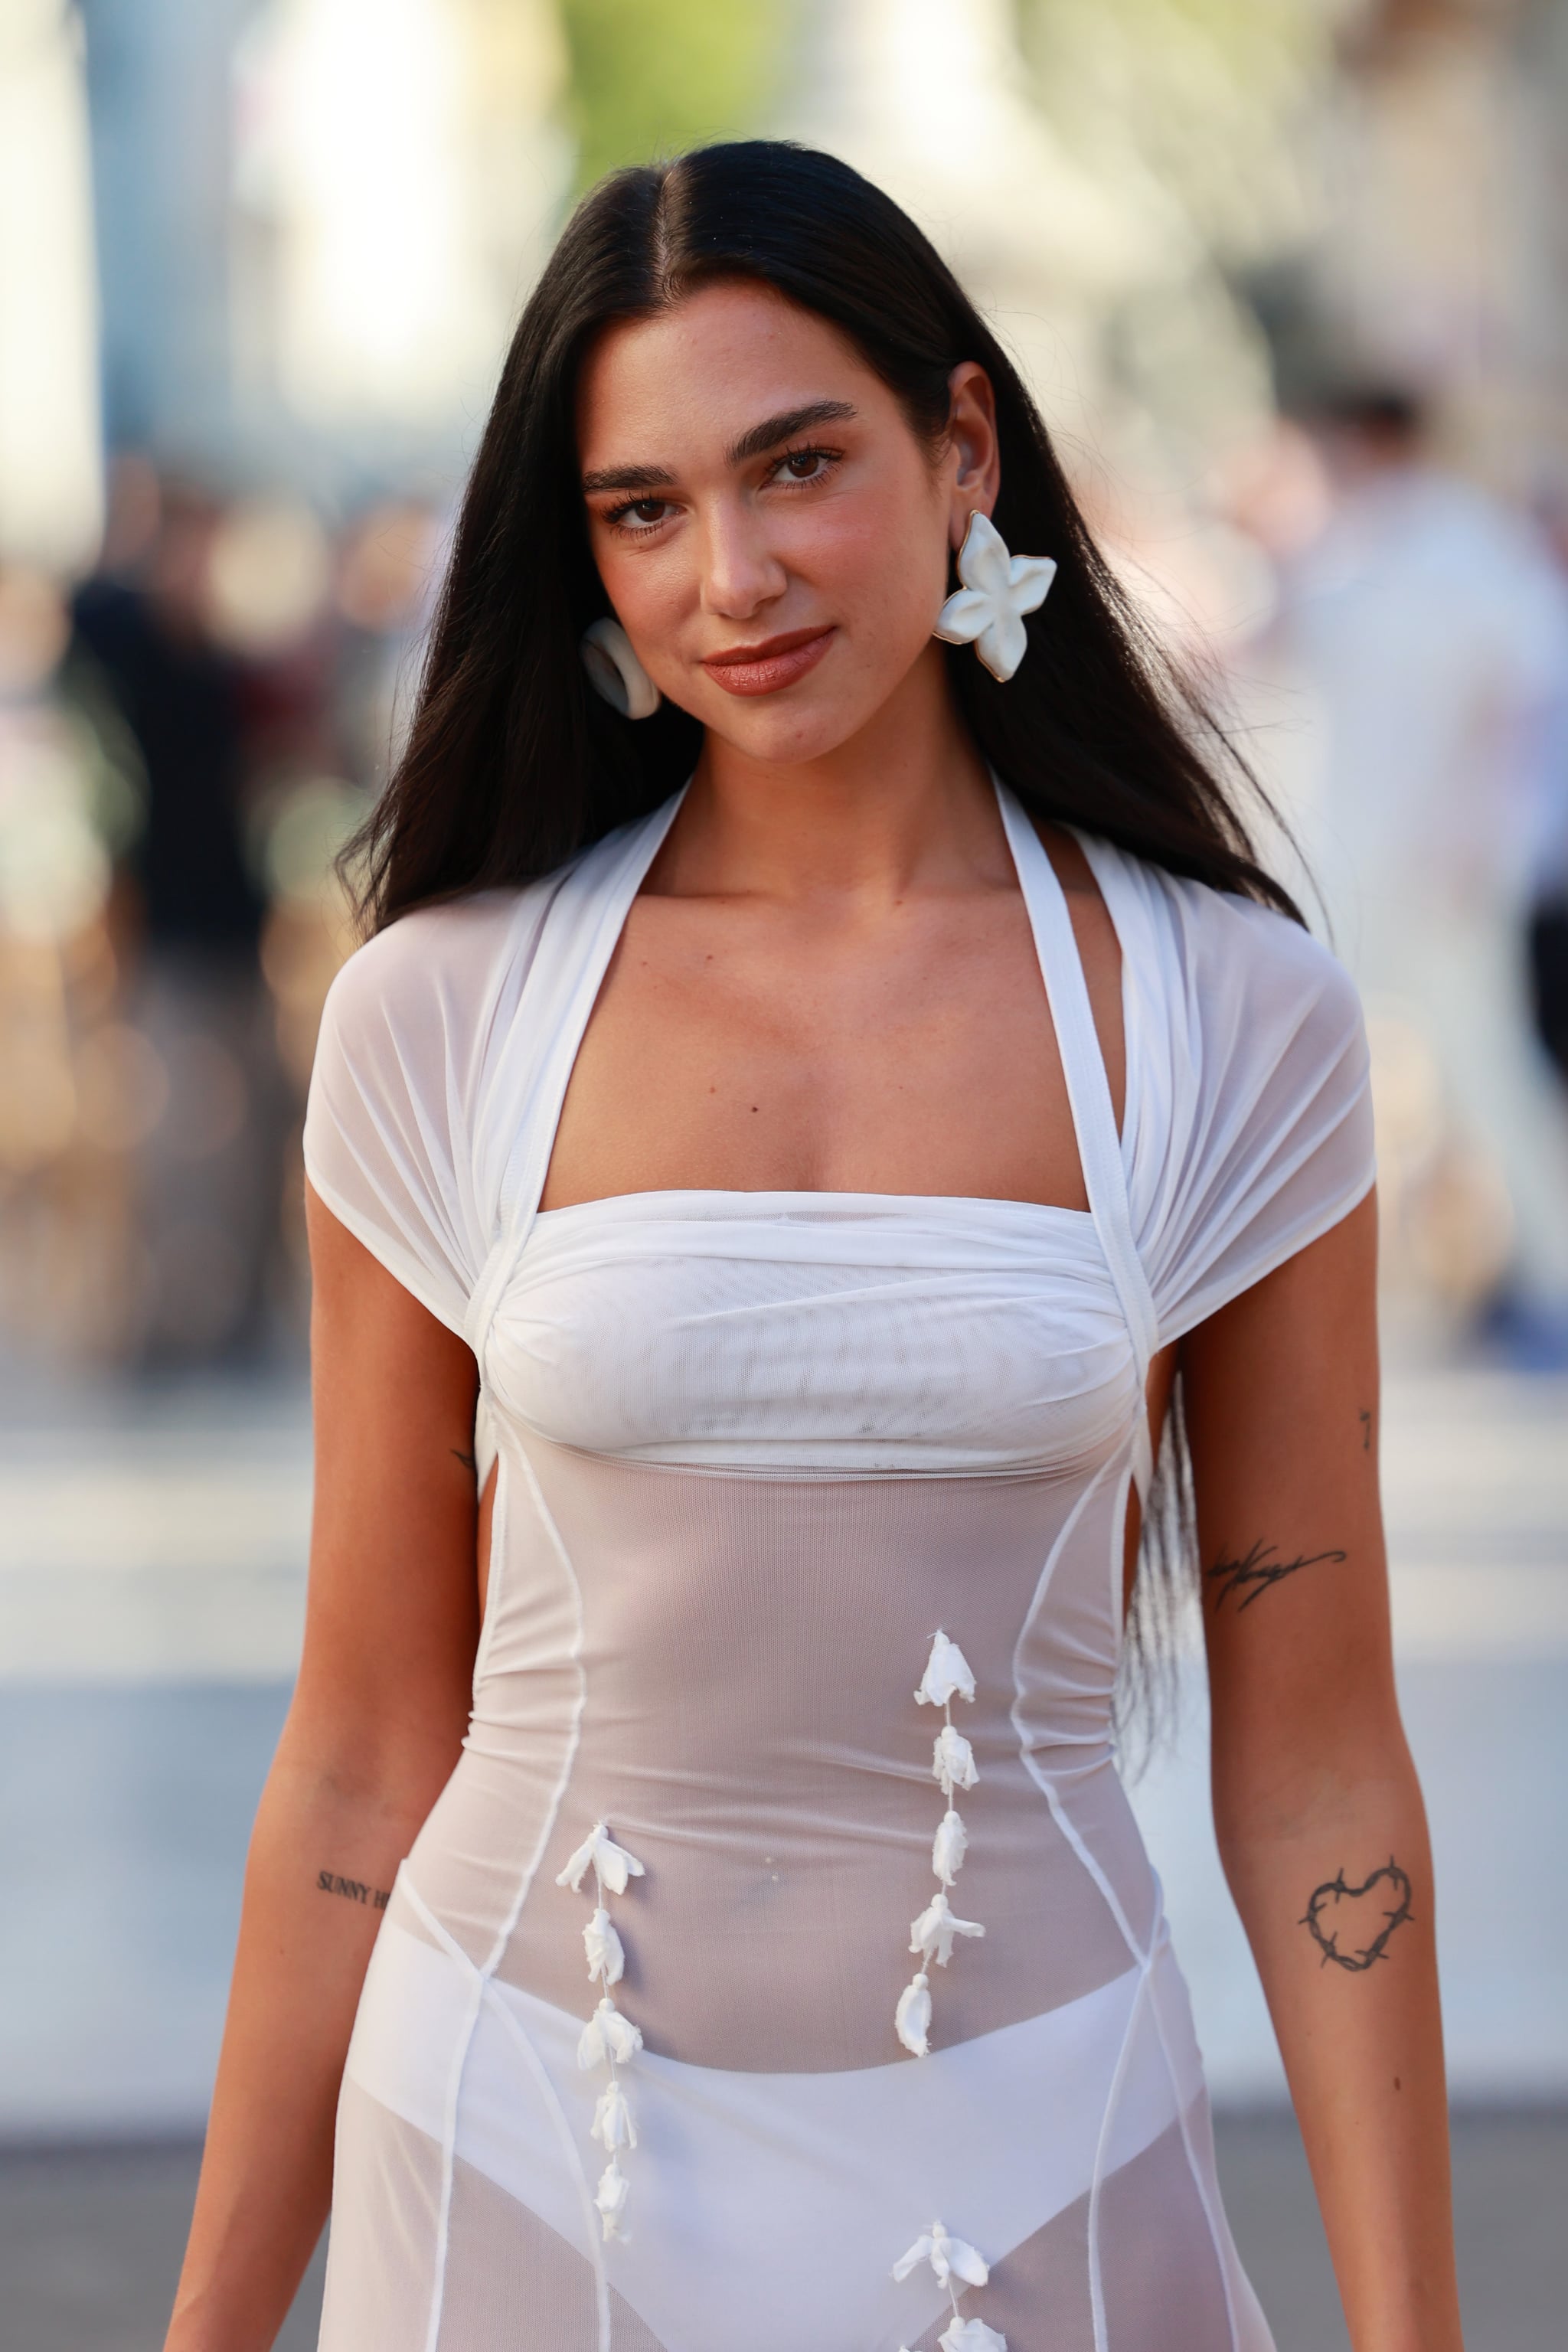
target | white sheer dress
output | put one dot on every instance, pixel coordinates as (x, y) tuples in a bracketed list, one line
[(781, 1966)]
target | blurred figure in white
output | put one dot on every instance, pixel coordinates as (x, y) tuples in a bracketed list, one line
[(1431, 630)]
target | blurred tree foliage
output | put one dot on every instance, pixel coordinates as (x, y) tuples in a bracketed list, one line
[(1207, 96), (652, 77)]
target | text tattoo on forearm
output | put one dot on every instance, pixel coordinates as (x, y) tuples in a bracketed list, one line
[(373, 1898)]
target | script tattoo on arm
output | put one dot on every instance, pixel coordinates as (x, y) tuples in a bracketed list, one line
[(1260, 1568), (1333, 1927), (373, 1898), (1365, 1420)]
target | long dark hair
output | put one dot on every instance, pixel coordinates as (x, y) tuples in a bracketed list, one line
[(513, 763)]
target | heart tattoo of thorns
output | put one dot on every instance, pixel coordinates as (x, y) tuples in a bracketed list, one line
[(1333, 1892)]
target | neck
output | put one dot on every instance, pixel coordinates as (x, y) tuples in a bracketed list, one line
[(906, 804)]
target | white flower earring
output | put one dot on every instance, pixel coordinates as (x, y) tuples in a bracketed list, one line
[(998, 589), (614, 672)]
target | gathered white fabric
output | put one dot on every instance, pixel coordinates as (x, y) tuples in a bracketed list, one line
[(767, 1464)]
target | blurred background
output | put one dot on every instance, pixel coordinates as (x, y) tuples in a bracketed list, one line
[(1290, 279)]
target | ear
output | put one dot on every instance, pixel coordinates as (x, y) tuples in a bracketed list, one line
[(973, 450)]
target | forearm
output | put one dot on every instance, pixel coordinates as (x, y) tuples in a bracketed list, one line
[(322, 1859), (1337, 1899)]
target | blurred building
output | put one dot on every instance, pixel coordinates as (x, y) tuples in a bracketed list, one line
[(1442, 260), (315, 221), (51, 506)]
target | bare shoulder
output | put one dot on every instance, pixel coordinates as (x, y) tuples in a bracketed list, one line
[(431, 950)]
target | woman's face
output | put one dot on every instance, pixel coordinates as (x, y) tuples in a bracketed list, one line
[(772, 536)]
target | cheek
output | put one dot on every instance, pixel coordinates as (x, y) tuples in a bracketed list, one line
[(650, 589), (880, 560)]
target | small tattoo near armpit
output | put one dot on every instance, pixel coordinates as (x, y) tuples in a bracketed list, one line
[(1327, 1918), (1365, 1420), (466, 1460), (1257, 1572), (374, 1898)]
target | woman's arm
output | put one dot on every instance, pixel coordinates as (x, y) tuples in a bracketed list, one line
[(376, 1724), (1318, 1815)]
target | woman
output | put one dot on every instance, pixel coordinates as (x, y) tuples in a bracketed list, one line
[(763, 1951)]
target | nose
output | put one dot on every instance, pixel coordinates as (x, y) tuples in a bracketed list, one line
[(741, 573)]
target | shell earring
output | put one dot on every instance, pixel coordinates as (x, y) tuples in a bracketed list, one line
[(614, 672), (998, 589)]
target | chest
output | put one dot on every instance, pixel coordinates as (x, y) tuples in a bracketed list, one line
[(805, 1333), (759, 1050)]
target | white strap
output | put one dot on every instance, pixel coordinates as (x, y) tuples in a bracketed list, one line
[(1088, 1098), (576, 941)]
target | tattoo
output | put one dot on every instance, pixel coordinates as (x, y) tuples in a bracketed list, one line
[(374, 1898), (1258, 1572), (466, 1460), (1323, 1918), (1365, 1420)]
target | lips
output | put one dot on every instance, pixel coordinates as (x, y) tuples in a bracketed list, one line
[(776, 662)]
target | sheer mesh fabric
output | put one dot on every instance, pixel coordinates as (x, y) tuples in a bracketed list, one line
[(513, 2283), (379, 2272), (755, 1454)]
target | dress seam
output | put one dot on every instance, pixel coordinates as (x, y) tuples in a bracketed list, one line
[(487, 1995), (495, 1575), (503, 1934), (564, 1779), (1041, 1778), (1141, 1992), (1196, 2173)]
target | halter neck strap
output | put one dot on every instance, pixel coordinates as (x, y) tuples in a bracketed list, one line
[(1089, 1097)]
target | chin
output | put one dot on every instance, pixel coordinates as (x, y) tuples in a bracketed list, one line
[(784, 737)]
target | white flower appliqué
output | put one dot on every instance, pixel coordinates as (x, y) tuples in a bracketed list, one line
[(606, 1953), (948, 1676), (948, 1847), (608, 2039), (953, 1760), (613, 2127), (610, 1863), (610, 2197), (953, 2259), (949, 2257), (607, 2036), (971, 2336), (933, 1931), (998, 589), (912, 2015)]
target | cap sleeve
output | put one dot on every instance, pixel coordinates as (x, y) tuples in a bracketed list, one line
[(392, 1125), (1248, 1130)]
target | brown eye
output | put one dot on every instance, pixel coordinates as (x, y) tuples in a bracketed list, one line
[(802, 463), (648, 509)]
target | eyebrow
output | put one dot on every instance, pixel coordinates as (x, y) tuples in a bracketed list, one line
[(629, 478), (790, 421), (755, 443)]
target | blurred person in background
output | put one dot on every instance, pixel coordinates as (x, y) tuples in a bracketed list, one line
[(71, 802), (1432, 632), (210, 1170), (740, 1331), (1549, 847)]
